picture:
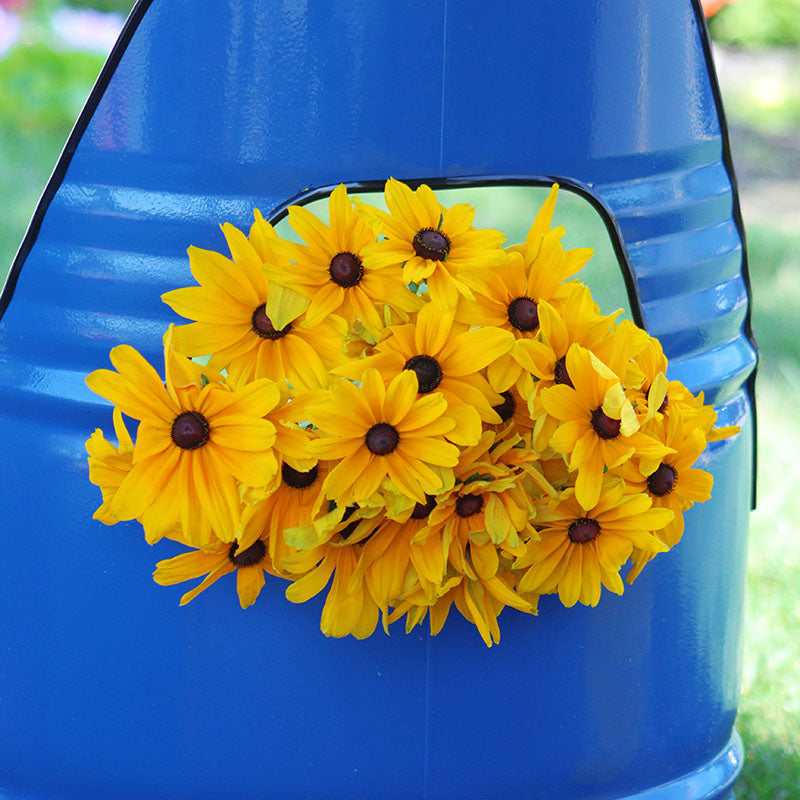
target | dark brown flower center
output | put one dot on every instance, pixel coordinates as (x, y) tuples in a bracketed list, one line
[(469, 504), (190, 430), (382, 439), (422, 511), (664, 403), (427, 370), (249, 557), (604, 426), (262, 325), (523, 314), (297, 479), (561, 374), (662, 481), (505, 410), (346, 532), (583, 530), (346, 269), (431, 244)]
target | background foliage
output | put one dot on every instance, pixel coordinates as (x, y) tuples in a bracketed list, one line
[(758, 23)]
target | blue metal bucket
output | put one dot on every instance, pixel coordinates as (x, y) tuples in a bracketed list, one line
[(209, 108)]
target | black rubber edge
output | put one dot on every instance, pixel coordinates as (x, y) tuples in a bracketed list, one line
[(474, 181), (727, 160), (75, 136)]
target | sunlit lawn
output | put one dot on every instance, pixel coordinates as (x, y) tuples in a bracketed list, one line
[(34, 121), (769, 718)]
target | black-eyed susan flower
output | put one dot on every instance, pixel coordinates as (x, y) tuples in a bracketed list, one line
[(433, 244), (414, 566), (484, 511), (329, 270), (332, 548), (579, 550), (671, 482), (598, 428), (479, 601), (380, 433), (694, 412), (294, 503), (579, 323), (193, 444), (215, 560), (385, 564), (510, 295), (515, 418), (652, 397), (109, 465), (232, 324), (445, 358)]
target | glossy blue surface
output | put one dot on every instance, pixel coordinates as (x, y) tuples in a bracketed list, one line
[(107, 688)]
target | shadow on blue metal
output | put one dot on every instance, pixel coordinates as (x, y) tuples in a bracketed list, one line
[(210, 108)]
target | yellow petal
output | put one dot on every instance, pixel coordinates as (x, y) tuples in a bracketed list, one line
[(469, 352), (569, 587), (564, 403), (284, 305), (442, 288), (312, 584), (224, 569), (374, 391), (590, 480), (425, 411), (326, 300), (249, 581), (429, 450), (544, 217), (400, 397), (432, 329)]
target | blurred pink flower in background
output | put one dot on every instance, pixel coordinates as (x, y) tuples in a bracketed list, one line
[(86, 29), (9, 27), (71, 28)]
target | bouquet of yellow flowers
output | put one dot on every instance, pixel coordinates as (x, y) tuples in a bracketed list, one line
[(405, 412)]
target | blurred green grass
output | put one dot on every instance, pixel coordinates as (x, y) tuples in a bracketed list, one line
[(756, 24), (769, 711), (42, 91)]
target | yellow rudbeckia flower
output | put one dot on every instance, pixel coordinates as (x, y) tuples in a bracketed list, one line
[(108, 465), (330, 273), (446, 359), (510, 295), (580, 549), (193, 444), (598, 427), (215, 560), (433, 244), (671, 482), (380, 433), (479, 601), (233, 325), (341, 539), (484, 511), (295, 503)]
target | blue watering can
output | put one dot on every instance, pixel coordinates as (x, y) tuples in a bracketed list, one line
[(210, 108)]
